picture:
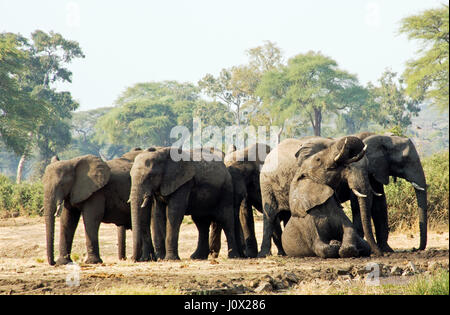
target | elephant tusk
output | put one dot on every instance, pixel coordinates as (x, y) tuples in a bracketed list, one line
[(416, 186), (358, 194), (376, 194), (341, 152), (129, 201), (145, 202), (59, 209)]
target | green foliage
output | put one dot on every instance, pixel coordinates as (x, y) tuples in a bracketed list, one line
[(395, 107), (310, 86), (26, 198), (437, 284), (20, 111), (428, 75), (401, 198)]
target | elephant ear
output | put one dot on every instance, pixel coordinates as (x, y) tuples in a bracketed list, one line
[(91, 174), (176, 175), (378, 158), (306, 194)]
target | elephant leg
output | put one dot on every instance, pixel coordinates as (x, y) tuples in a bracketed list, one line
[(349, 247), (93, 212), (380, 221), (215, 239), (69, 221), (175, 211), (121, 242), (148, 251), (380, 218), (248, 229), (276, 236), (159, 222), (229, 220), (270, 209), (202, 250), (356, 215)]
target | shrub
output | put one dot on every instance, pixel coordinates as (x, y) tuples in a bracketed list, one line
[(26, 198), (401, 198)]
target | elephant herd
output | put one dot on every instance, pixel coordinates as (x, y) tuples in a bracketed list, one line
[(300, 184)]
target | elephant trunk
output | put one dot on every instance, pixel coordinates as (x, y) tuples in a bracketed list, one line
[(136, 198), (421, 196), (365, 204), (51, 206)]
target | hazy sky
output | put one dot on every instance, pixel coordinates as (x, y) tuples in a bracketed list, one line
[(126, 42)]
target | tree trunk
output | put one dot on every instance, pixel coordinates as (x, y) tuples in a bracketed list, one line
[(20, 169), (317, 122)]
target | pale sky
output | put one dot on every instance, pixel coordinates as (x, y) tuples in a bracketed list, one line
[(126, 42)]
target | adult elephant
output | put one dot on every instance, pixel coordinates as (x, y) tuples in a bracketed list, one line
[(318, 225), (90, 187), (173, 184), (282, 163), (393, 156), (244, 166)]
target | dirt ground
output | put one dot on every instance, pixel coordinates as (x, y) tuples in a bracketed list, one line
[(24, 268)]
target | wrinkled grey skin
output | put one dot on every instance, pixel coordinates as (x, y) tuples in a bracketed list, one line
[(244, 167), (397, 157), (171, 189), (90, 187), (318, 226), (282, 164), (355, 186)]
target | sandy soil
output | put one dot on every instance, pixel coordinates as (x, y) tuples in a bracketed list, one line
[(24, 269)]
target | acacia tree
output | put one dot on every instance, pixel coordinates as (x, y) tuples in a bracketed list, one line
[(428, 75), (308, 87)]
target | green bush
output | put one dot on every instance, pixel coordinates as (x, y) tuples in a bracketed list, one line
[(401, 198), (26, 198)]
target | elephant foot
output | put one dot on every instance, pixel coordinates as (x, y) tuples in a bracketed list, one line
[(348, 251), (386, 248), (170, 256), (234, 254), (64, 260), (213, 254), (330, 250), (92, 260), (251, 253), (264, 253), (199, 256), (146, 258)]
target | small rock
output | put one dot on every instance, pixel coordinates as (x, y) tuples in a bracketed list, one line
[(268, 278), (396, 271), (412, 267), (407, 273), (264, 287), (291, 277), (253, 284)]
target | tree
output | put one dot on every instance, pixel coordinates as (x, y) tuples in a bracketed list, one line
[(428, 75), (308, 87), (139, 122), (396, 108), (236, 86), (20, 111), (47, 56), (225, 89)]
